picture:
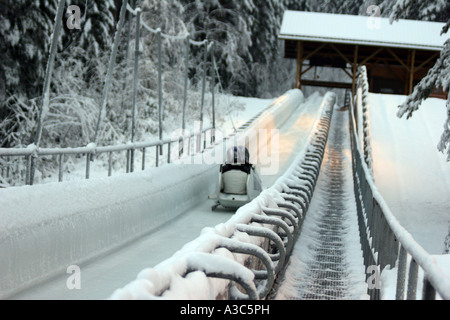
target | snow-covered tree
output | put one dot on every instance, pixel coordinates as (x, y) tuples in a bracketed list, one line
[(300, 5), (97, 25), (439, 75), (228, 23), (25, 29)]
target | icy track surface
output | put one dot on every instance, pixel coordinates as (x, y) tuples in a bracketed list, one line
[(100, 276), (327, 262)]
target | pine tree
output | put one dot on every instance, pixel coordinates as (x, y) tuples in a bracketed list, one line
[(439, 75), (98, 25), (298, 5), (25, 29), (228, 23)]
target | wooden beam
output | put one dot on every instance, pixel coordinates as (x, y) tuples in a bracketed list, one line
[(374, 64), (398, 59), (307, 69), (309, 55), (298, 82), (392, 70), (411, 73), (327, 84), (406, 82), (427, 61), (340, 53), (355, 69), (370, 57), (348, 73)]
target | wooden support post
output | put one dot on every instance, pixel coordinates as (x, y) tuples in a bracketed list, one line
[(355, 70), (298, 80), (407, 74), (411, 72)]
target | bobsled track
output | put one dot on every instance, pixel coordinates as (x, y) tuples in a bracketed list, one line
[(320, 229)]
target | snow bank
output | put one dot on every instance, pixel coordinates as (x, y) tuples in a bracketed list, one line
[(46, 228)]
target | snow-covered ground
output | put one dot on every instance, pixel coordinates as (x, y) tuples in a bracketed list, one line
[(102, 276), (411, 174)]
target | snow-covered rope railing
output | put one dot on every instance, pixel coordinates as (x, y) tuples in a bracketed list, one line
[(164, 35), (385, 243), (252, 248), (362, 115)]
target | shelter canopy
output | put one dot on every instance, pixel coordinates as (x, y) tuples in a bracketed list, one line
[(397, 56), (364, 30)]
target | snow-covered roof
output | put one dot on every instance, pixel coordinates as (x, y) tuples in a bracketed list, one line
[(363, 30)]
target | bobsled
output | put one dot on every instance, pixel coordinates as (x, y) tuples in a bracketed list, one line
[(238, 182)]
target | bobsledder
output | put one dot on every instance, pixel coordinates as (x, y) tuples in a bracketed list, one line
[(238, 183)]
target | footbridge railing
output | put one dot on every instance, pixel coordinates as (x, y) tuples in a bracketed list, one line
[(386, 244), (251, 249), (184, 145)]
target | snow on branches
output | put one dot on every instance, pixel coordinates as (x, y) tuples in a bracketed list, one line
[(439, 75)]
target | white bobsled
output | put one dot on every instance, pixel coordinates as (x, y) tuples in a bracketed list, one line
[(238, 181)]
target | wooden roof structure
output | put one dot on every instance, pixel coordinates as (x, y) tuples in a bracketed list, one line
[(396, 55)]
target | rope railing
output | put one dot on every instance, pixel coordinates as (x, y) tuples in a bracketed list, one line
[(362, 114), (385, 243), (34, 151), (253, 247)]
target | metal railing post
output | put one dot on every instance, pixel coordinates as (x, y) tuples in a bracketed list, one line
[(186, 75), (412, 280), (88, 165), (109, 164), (401, 274), (46, 89), (428, 293), (127, 53), (160, 91), (205, 56), (60, 167), (143, 159), (111, 64), (213, 84), (135, 83)]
